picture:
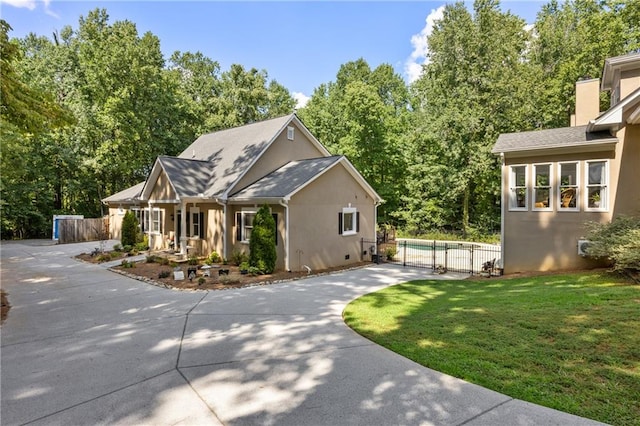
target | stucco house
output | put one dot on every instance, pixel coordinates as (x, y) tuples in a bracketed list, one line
[(556, 180), (205, 199)]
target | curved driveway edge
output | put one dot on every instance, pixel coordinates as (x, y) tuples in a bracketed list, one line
[(85, 346)]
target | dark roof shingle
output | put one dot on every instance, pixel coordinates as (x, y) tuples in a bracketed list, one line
[(287, 179), (551, 138)]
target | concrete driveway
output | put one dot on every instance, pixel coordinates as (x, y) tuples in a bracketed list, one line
[(85, 346)]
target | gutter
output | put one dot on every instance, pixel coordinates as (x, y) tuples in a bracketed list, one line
[(503, 206)]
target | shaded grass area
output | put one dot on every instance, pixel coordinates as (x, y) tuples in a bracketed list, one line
[(569, 342)]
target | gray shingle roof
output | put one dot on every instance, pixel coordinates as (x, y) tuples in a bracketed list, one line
[(128, 195), (232, 151), (190, 178), (287, 179), (551, 138)]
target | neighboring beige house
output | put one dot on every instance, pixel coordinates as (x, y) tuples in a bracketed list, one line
[(554, 181), (205, 199)]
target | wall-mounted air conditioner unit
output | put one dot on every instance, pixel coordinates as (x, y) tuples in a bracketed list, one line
[(582, 247)]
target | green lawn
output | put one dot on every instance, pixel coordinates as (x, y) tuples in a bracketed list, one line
[(570, 342)]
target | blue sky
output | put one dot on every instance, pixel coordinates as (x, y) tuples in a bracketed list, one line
[(301, 44)]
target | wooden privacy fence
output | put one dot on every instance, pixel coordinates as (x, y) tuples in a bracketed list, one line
[(79, 230)]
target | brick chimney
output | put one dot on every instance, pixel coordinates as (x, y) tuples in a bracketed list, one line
[(587, 102)]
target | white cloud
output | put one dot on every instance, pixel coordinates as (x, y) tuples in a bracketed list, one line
[(420, 54), (29, 4), (301, 99)]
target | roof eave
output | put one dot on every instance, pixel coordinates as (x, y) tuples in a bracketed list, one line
[(256, 200), (604, 145)]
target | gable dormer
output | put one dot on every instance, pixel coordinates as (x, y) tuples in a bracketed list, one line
[(621, 76)]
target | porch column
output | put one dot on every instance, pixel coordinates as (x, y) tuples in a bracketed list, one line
[(183, 227), (285, 203)]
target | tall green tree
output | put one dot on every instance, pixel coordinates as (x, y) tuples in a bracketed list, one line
[(26, 113), (247, 96), (472, 89), (572, 40), (364, 115), (125, 104)]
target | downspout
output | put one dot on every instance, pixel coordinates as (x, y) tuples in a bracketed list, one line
[(224, 228), (375, 224), (503, 207), (285, 203)]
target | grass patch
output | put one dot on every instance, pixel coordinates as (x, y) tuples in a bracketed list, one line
[(569, 342)]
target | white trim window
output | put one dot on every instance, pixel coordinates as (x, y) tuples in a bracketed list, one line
[(597, 173), (518, 199), (244, 225), (156, 221), (291, 131), (141, 215), (348, 221), (195, 222), (542, 192), (568, 186)]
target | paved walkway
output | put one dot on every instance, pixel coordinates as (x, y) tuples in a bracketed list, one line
[(85, 346)]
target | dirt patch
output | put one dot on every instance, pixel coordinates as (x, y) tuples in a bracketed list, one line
[(4, 306)]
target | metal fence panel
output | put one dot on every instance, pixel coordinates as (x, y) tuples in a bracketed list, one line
[(466, 257)]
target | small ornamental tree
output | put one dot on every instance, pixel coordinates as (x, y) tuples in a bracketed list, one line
[(262, 243), (129, 229)]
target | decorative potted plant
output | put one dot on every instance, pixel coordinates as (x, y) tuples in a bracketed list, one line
[(244, 268), (595, 199)]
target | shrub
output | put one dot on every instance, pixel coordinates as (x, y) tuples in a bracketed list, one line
[(129, 229), (214, 257), (127, 248), (105, 257), (244, 266), (117, 247), (618, 242), (226, 279), (164, 274), (193, 260), (254, 271), (262, 244), (142, 246), (390, 252), (126, 264), (202, 280), (237, 257)]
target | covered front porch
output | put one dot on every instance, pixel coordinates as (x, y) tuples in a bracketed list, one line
[(185, 227)]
